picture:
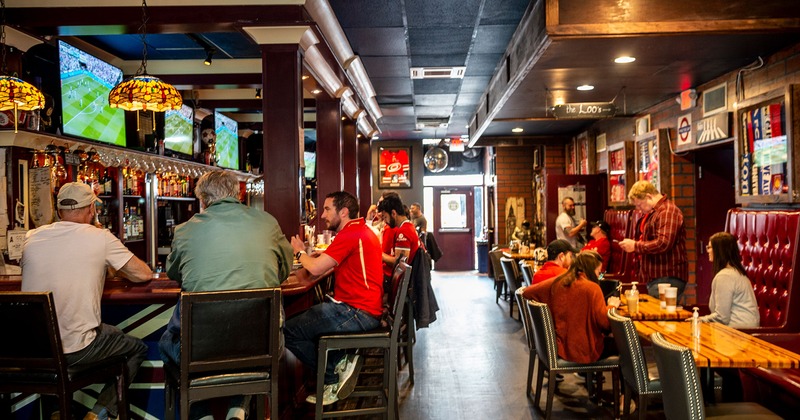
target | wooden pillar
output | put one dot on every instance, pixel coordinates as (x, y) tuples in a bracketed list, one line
[(350, 157), (283, 128), (364, 175), (330, 176)]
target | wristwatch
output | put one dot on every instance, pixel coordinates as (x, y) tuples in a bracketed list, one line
[(299, 253)]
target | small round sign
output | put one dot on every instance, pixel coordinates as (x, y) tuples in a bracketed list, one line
[(684, 129)]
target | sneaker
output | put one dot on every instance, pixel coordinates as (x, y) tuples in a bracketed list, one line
[(328, 395), (349, 375)]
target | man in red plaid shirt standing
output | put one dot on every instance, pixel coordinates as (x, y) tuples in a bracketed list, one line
[(661, 244)]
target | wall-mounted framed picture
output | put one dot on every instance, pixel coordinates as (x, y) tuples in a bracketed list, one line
[(620, 172), (395, 167), (642, 125), (600, 142)]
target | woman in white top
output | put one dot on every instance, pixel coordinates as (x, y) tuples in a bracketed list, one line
[(732, 302)]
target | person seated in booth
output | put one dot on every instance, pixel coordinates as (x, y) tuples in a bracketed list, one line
[(356, 304), (70, 258), (600, 242), (732, 300), (579, 310), (559, 257), (522, 233), (227, 246)]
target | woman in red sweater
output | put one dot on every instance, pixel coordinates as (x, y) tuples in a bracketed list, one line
[(579, 310)]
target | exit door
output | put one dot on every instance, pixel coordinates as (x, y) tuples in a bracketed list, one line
[(454, 228)]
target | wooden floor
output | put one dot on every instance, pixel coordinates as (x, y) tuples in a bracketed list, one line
[(472, 362)]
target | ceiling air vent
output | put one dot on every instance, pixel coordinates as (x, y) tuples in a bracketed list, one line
[(432, 123), (438, 72)]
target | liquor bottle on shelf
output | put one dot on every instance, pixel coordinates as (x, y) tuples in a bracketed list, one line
[(107, 183), (139, 223), (126, 224)]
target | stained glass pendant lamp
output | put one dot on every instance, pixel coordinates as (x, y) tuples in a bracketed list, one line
[(142, 91), (15, 93)]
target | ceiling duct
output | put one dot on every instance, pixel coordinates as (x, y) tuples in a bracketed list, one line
[(432, 123), (438, 72)]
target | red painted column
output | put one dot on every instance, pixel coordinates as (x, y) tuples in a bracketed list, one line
[(283, 128), (330, 176)]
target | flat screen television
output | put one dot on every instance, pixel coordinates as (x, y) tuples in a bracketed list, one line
[(85, 83), (311, 164), (179, 130), (227, 131)]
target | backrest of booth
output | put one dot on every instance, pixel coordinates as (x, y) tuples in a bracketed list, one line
[(768, 241), (618, 220)]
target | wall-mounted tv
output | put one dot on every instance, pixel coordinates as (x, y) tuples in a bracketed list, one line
[(85, 83), (311, 164), (227, 141), (179, 130)]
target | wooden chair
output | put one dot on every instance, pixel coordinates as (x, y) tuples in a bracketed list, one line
[(683, 398), (385, 338), (636, 373), (32, 358), (513, 280), (230, 344), (544, 333)]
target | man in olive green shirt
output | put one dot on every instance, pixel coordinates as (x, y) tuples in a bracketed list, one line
[(227, 246)]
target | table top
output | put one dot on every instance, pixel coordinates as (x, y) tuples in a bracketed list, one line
[(516, 255), (650, 310), (720, 346), (164, 290)]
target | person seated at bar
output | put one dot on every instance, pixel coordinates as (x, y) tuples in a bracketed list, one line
[(579, 310), (405, 238), (600, 242), (257, 255), (732, 300), (661, 244), (356, 304), (559, 257), (70, 258)]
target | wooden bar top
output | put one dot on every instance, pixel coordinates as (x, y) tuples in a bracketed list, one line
[(164, 290), (650, 310), (721, 346)]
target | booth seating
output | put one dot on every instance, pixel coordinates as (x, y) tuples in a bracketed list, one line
[(770, 247), (622, 266)]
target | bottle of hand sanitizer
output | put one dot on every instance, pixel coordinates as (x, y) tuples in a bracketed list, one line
[(633, 299), (695, 323)]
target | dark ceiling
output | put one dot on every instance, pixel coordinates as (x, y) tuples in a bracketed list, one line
[(510, 80)]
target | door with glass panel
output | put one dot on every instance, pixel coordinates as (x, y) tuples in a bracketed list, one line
[(454, 228)]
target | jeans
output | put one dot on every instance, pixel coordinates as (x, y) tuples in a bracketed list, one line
[(303, 331), (170, 348), (652, 286), (110, 342)]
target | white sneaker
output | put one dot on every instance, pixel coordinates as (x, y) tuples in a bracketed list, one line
[(328, 395), (348, 376)]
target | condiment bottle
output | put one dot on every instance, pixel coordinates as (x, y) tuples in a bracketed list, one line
[(695, 323)]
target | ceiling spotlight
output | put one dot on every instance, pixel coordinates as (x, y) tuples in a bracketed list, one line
[(517, 130), (316, 91), (585, 87), (209, 57), (625, 59), (258, 93)]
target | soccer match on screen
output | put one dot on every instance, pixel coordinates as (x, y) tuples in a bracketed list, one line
[(85, 84)]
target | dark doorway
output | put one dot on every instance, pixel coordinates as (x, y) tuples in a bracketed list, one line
[(454, 227), (714, 195)]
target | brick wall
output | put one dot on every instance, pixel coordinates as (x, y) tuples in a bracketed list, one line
[(514, 170)]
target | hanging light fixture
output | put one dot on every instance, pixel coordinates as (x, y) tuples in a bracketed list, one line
[(15, 93), (142, 91)]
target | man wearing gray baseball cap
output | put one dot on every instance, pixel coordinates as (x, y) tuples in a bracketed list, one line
[(69, 258)]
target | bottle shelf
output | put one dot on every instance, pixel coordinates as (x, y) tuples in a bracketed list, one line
[(169, 198)]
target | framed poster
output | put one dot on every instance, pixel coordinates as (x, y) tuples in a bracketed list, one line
[(642, 125), (395, 167)]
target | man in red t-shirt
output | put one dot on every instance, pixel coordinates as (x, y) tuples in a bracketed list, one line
[(405, 239), (559, 257), (356, 305), (600, 242)]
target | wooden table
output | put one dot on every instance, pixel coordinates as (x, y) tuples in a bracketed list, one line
[(650, 310), (720, 346), (516, 255)]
